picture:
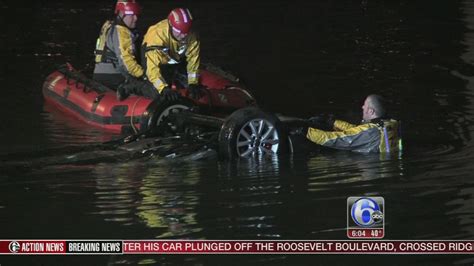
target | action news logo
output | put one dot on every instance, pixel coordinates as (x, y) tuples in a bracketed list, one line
[(365, 217), (14, 246)]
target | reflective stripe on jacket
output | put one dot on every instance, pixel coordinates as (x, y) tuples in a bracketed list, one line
[(119, 52), (161, 48), (379, 136)]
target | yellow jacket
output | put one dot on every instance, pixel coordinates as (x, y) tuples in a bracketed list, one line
[(115, 51), (375, 136), (161, 48)]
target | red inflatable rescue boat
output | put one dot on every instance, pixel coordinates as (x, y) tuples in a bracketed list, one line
[(93, 103)]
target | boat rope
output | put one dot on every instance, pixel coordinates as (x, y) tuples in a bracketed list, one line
[(131, 116), (243, 91)]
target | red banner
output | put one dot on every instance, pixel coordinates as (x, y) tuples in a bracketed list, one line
[(236, 247), (297, 247), (33, 247)]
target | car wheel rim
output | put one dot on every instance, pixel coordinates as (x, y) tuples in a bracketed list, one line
[(165, 124), (257, 137)]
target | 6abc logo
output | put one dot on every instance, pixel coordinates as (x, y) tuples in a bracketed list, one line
[(365, 213)]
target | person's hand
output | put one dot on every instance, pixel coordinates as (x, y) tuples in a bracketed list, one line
[(299, 131), (169, 95), (194, 91), (323, 121), (122, 92)]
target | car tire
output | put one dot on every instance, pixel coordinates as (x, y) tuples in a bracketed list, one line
[(158, 124), (252, 132)]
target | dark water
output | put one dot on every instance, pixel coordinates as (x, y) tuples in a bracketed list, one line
[(299, 59)]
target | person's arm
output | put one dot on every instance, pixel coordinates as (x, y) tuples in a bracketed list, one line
[(125, 52), (340, 125), (154, 59), (362, 137), (193, 60)]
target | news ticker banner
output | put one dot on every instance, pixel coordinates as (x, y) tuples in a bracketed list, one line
[(109, 247)]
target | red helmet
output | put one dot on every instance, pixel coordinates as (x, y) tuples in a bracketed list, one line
[(128, 7), (181, 20)]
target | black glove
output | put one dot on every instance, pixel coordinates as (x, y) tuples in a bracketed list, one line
[(194, 91), (324, 122), (169, 95), (299, 131), (122, 91)]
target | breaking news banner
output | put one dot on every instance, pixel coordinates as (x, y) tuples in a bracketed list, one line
[(108, 247), (365, 217)]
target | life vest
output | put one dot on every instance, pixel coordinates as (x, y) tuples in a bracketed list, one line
[(103, 54), (390, 135)]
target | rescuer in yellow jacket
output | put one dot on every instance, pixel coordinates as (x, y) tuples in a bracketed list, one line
[(116, 64), (375, 134), (170, 46)]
